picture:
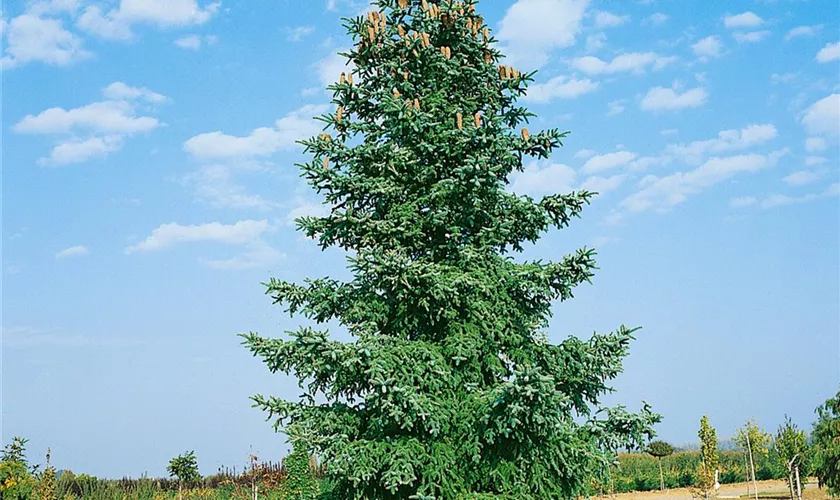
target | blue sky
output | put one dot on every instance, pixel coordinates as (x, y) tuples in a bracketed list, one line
[(148, 188)]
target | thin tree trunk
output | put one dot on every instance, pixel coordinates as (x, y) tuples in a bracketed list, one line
[(798, 484), (180, 497), (752, 466), (661, 477), (747, 473), (790, 486)]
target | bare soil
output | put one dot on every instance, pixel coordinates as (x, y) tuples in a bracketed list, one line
[(766, 490)]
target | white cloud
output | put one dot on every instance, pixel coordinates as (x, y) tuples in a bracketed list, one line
[(192, 42), (658, 18), (95, 129), (823, 117), (531, 29), (298, 33), (726, 140), (74, 251), (295, 126), (80, 150), (783, 77), (329, 68), (212, 184), (778, 200), (32, 38), (802, 177), (541, 178), (616, 107), (559, 87), (246, 233), (604, 19), (669, 131), (742, 201), (752, 36), (631, 61), (803, 31), (243, 232), (116, 23), (661, 98), (669, 191), (831, 52), (119, 91), (53, 7), (815, 160), (815, 144), (607, 161), (602, 185), (306, 208), (711, 46), (105, 116), (585, 153), (595, 41), (93, 21), (742, 20), (259, 257)]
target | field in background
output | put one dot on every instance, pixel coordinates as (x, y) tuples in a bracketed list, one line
[(771, 489)]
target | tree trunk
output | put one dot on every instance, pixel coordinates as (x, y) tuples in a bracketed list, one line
[(661, 477), (747, 473), (180, 486), (798, 484), (790, 486), (752, 466)]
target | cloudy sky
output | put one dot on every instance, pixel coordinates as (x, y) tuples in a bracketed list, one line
[(149, 187)]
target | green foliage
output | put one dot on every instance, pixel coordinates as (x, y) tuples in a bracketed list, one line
[(47, 482), (659, 449), (791, 450), (449, 389), (301, 483), (17, 480), (751, 438), (185, 468), (709, 458), (825, 437), (754, 442), (640, 472)]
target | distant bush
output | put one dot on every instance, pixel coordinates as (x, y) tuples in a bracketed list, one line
[(639, 471)]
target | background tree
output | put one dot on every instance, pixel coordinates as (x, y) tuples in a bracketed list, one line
[(46, 481), (791, 451), (450, 388), (706, 475), (660, 449), (17, 481), (301, 483), (754, 442), (825, 437), (185, 468)]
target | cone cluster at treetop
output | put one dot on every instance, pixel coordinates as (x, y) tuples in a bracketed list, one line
[(451, 389)]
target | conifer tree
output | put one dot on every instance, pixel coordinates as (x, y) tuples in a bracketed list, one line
[(450, 389)]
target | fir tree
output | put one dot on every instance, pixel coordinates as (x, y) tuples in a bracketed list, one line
[(450, 389)]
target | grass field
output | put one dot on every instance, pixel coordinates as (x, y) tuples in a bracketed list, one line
[(771, 489)]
